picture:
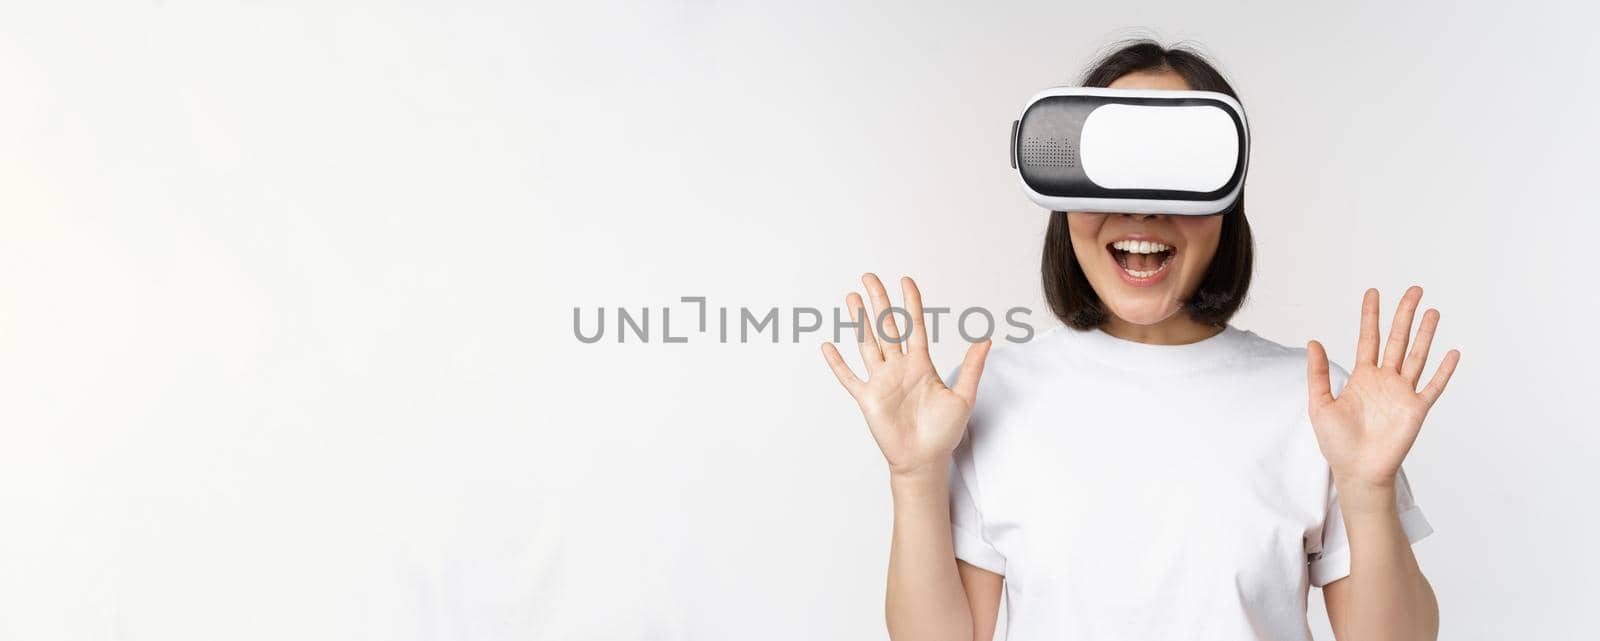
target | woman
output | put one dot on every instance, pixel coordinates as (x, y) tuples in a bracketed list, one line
[(1150, 471)]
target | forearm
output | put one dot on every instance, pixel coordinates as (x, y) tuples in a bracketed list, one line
[(1388, 597), (925, 600)]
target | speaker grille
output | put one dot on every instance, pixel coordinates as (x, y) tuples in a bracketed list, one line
[(1040, 151)]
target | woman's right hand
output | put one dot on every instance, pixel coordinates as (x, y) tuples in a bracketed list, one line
[(916, 420)]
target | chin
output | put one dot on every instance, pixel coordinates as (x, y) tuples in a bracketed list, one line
[(1143, 312)]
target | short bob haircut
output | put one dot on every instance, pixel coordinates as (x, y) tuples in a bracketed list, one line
[(1222, 289)]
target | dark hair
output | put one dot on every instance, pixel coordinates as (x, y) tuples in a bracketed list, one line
[(1222, 289)]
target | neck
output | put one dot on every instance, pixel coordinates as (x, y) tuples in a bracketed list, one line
[(1178, 329)]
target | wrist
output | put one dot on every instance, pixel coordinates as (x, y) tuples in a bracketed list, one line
[(931, 476), (1359, 497)]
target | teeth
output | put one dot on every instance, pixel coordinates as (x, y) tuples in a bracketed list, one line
[(1140, 247), (1134, 247)]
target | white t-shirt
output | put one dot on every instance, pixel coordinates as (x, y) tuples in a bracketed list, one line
[(1151, 492)]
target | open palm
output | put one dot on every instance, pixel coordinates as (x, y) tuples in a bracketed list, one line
[(1366, 432), (915, 419)]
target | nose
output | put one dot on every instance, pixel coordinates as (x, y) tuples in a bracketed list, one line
[(1144, 216)]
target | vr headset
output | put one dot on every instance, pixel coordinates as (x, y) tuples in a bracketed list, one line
[(1136, 151)]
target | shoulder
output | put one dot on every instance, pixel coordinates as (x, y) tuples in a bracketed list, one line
[(1010, 362), (1037, 351), (1261, 354)]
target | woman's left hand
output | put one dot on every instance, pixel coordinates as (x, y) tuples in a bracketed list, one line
[(1367, 430)]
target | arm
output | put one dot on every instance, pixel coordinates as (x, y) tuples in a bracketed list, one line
[(1385, 596), (931, 595), (1365, 433), (917, 422), (983, 596)]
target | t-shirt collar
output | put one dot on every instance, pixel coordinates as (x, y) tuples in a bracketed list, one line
[(1212, 351)]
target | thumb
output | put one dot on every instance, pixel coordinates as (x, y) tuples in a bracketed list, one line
[(971, 370), (1318, 387)]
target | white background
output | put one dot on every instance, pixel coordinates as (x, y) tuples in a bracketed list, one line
[(286, 345)]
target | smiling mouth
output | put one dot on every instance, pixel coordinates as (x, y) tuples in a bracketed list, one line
[(1142, 259)]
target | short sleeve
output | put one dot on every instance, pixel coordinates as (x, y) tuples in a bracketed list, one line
[(1329, 554), (966, 519)]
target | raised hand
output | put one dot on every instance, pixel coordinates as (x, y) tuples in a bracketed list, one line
[(1367, 431), (916, 420)]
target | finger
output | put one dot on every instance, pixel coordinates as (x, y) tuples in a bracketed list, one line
[(1441, 377), (1367, 341), (865, 339), (917, 341), (882, 309), (1418, 358), (836, 362), (1400, 329), (971, 370), (1319, 389)]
